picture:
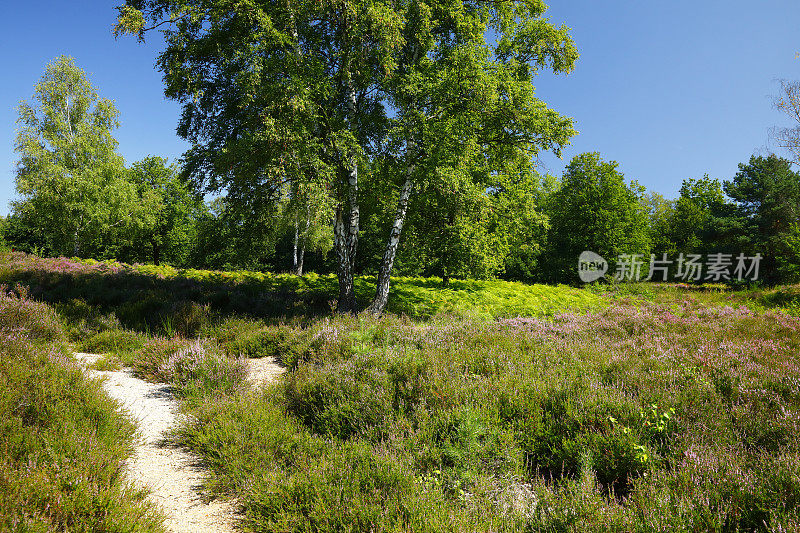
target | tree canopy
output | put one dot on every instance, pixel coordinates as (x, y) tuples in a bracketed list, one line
[(594, 210), (176, 208), (69, 175), (317, 90)]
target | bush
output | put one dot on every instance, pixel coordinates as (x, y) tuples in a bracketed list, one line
[(343, 399), (114, 341), (23, 317), (199, 368)]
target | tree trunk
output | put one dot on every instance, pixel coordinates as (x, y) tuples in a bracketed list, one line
[(294, 247), (385, 272), (156, 253), (302, 255), (346, 231), (347, 297)]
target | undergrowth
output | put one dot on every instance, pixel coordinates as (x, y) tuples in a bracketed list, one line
[(481, 406), (637, 418), (62, 440)]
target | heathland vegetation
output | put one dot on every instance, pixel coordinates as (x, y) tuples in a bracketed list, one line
[(338, 145), (624, 408), (410, 154)]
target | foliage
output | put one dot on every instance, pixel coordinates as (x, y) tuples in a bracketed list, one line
[(642, 416), (33, 320), (520, 221), (595, 210), (449, 233), (317, 92), (662, 217), (199, 368), (176, 209), (168, 300), (74, 195), (695, 221), (767, 194)]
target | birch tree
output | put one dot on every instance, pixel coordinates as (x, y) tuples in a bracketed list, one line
[(70, 178), (307, 215), (313, 91), (788, 102)]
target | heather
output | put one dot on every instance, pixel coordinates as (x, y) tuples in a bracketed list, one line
[(640, 417), (63, 441), (167, 300), (654, 408)]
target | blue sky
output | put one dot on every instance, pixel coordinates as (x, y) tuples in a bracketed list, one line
[(670, 90)]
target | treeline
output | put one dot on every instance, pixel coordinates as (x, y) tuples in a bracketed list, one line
[(78, 198)]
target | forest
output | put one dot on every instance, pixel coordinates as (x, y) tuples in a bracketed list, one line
[(476, 215)]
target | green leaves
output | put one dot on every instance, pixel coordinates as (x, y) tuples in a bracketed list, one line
[(595, 209), (69, 174), (318, 91)]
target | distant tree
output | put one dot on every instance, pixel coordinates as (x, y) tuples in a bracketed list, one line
[(236, 234), (449, 232), (520, 220), (595, 210), (307, 212), (661, 213), (696, 219), (20, 234), (789, 103), (176, 210), (69, 175), (767, 194)]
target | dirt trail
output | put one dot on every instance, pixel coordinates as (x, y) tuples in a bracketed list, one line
[(173, 475)]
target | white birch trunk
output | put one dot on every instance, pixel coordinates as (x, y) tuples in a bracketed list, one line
[(385, 272)]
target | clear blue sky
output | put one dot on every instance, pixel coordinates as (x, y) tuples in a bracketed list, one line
[(671, 90)]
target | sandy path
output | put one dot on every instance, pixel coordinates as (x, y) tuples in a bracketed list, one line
[(173, 475)]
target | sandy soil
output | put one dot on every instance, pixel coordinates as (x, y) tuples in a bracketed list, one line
[(173, 475)]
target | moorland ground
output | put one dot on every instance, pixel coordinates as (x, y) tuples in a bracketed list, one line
[(476, 406)]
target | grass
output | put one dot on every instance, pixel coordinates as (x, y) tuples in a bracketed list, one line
[(94, 296), (479, 406)]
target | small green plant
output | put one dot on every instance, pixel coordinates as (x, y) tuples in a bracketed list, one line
[(106, 363), (657, 423), (168, 327)]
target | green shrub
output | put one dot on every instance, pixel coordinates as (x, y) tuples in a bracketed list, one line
[(342, 399), (23, 317), (147, 360), (145, 311), (114, 341), (189, 318), (200, 368)]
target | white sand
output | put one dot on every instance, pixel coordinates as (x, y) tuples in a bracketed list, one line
[(173, 475)]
